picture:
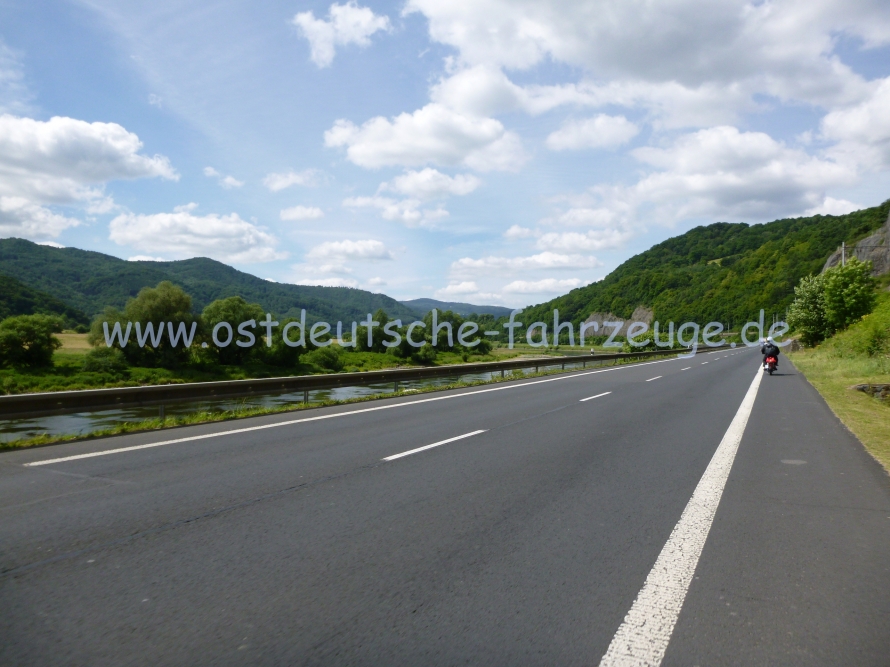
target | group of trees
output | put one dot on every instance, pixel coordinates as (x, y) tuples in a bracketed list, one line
[(830, 302), (168, 305)]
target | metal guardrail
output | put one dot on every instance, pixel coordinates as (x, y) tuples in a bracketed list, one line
[(17, 406)]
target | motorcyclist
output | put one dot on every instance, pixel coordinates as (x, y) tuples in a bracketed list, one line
[(769, 349)]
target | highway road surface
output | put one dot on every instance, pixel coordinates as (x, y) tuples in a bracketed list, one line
[(679, 512)]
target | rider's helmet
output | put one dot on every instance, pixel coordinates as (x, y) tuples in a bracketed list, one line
[(769, 339)]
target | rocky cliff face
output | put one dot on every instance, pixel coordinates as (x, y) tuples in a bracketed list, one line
[(874, 248), (640, 314)]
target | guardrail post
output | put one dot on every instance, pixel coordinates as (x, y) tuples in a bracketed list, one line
[(395, 387), (305, 396), (161, 412), (563, 365), (502, 372)]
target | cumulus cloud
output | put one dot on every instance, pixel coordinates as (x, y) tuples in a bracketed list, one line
[(518, 232), (601, 131), (597, 239), (364, 249), (145, 258), (780, 49), (346, 24), (545, 286), (22, 218), (308, 177), (327, 281), (301, 213), (862, 131), (721, 171), (406, 211), (467, 266), (434, 134), (228, 182), (832, 206), (62, 160), (182, 234), (431, 184), (467, 291)]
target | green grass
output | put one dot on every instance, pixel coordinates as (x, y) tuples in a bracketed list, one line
[(859, 355), (250, 411)]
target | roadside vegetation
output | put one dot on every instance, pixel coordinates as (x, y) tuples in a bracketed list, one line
[(844, 325)]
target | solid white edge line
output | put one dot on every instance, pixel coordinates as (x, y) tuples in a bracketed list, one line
[(686, 369), (334, 415), (435, 444), (655, 378), (590, 398), (643, 637)]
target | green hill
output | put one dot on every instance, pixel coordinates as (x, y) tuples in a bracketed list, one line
[(88, 281), (423, 306), (17, 298), (724, 272)]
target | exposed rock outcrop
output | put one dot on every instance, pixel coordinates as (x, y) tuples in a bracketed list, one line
[(874, 248), (640, 314)]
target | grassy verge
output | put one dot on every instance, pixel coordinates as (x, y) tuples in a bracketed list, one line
[(858, 355), (254, 411)]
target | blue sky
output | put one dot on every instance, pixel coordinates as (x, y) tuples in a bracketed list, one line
[(476, 150)]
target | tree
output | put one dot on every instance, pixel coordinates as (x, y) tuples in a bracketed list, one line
[(849, 293), (233, 310), (159, 310), (806, 314), (27, 340)]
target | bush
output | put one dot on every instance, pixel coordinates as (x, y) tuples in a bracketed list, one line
[(27, 340), (849, 293), (108, 360), (806, 315), (326, 358)]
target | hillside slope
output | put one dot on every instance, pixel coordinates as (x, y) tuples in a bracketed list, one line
[(724, 272), (89, 281), (16, 298), (423, 306)]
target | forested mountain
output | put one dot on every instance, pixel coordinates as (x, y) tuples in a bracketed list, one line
[(88, 281), (724, 272), (423, 306), (17, 298)]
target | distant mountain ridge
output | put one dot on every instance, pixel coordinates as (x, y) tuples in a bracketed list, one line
[(423, 306), (89, 281)]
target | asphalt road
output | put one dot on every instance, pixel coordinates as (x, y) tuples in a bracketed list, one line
[(526, 543)]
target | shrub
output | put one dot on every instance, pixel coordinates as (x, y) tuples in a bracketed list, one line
[(233, 310), (110, 360), (27, 340), (849, 293), (807, 312), (326, 358)]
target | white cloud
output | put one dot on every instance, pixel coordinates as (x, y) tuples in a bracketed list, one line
[(301, 213), (146, 258), (365, 249), (467, 266), (227, 182), (431, 184), (56, 161), (181, 234), (346, 24), (862, 131), (832, 206), (597, 239), (517, 232), (191, 206), (784, 49), (458, 289), (327, 282), (308, 178), (407, 211), (155, 100), (433, 134), (722, 172), (545, 286), (51, 244), (377, 281), (22, 218), (601, 131)]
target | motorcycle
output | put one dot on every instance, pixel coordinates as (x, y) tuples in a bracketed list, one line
[(770, 364)]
